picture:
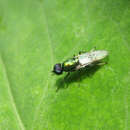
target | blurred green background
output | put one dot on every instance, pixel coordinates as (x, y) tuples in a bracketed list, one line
[(36, 34)]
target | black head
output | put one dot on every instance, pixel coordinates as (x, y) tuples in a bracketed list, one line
[(57, 69)]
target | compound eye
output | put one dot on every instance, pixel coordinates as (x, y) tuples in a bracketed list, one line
[(57, 69)]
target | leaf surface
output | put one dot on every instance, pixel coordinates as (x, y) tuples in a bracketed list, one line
[(34, 35)]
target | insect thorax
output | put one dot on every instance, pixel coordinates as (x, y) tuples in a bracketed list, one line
[(70, 64)]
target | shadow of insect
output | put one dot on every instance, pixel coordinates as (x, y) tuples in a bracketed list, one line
[(77, 76)]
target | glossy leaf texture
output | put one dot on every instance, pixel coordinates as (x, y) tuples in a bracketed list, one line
[(34, 35)]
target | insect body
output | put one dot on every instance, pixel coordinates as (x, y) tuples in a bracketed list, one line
[(80, 61)]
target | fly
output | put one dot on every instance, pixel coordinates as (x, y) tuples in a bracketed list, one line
[(82, 60)]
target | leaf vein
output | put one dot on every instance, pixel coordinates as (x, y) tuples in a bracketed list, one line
[(11, 96), (47, 82)]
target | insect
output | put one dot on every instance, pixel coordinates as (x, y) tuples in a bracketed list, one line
[(82, 60)]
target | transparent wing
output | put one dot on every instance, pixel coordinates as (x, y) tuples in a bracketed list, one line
[(90, 57)]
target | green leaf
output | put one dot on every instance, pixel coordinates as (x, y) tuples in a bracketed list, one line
[(34, 35)]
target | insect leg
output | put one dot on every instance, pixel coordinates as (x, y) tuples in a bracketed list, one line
[(81, 52), (67, 75), (93, 49), (66, 78), (74, 55), (79, 77)]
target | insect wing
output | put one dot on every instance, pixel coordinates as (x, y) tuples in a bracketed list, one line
[(85, 59), (98, 55), (90, 57)]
